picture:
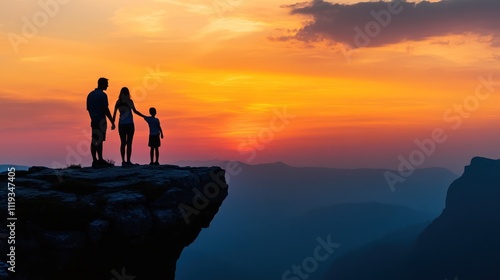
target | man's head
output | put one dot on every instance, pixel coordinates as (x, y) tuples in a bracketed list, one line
[(152, 111), (102, 83)]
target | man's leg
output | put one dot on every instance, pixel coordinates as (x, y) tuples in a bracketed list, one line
[(93, 144), (93, 151), (102, 138), (99, 151)]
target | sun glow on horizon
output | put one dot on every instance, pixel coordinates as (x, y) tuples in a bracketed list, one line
[(218, 76)]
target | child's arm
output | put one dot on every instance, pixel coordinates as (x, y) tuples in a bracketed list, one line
[(161, 131)]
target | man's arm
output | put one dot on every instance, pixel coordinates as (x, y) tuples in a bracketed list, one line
[(114, 113), (108, 113)]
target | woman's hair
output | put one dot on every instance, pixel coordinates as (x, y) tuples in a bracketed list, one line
[(124, 92)]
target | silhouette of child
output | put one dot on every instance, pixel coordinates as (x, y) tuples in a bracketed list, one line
[(154, 135)]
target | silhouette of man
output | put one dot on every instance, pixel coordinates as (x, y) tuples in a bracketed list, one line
[(97, 105)]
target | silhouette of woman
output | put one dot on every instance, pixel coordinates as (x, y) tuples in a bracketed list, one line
[(126, 127)]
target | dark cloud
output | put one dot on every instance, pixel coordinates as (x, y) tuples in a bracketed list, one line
[(357, 26)]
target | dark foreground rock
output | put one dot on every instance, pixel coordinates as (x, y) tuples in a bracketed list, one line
[(111, 223), (464, 242)]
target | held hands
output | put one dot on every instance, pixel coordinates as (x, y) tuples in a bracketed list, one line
[(112, 119)]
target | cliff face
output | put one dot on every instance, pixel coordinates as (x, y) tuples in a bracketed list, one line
[(111, 223), (464, 241)]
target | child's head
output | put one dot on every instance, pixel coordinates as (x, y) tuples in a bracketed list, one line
[(152, 111)]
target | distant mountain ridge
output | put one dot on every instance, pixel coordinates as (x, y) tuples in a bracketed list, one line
[(425, 190), (462, 243), (280, 210), (350, 224), (5, 167)]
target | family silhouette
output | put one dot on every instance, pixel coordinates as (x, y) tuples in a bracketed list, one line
[(98, 107)]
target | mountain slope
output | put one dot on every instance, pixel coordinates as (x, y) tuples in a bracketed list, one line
[(463, 242)]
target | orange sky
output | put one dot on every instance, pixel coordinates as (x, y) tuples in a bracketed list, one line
[(217, 80)]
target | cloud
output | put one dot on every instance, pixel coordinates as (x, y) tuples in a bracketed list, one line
[(140, 21), (46, 58), (371, 24), (231, 27), (192, 7)]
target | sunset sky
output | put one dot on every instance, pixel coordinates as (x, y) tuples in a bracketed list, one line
[(255, 81)]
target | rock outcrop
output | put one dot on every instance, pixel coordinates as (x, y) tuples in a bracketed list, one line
[(110, 223), (464, 241)]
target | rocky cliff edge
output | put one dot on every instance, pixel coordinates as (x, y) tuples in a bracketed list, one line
[(110, 223)]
